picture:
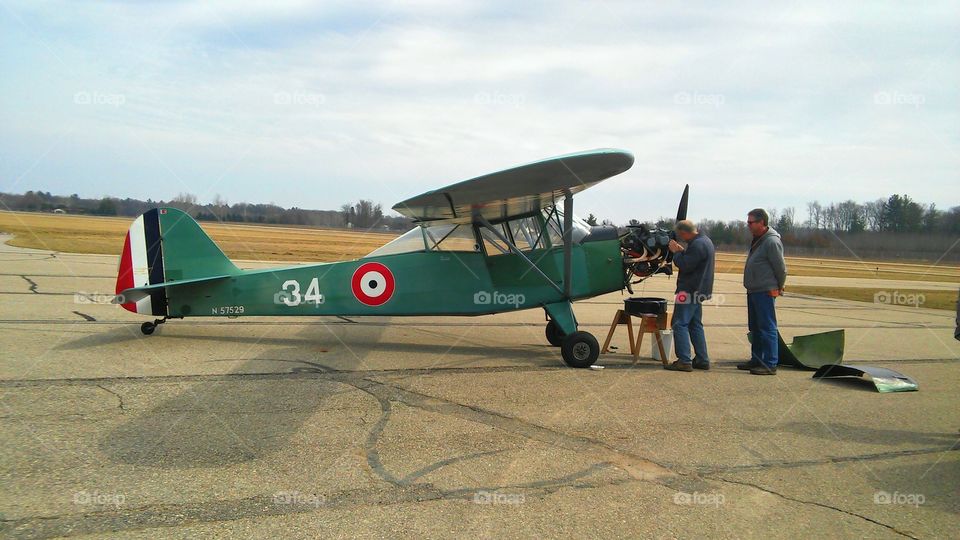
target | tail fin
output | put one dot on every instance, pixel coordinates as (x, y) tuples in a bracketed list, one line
[(166, 245)]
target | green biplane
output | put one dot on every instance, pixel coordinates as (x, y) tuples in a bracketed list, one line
[(500, 242)]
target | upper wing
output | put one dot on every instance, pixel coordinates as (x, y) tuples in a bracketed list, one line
[(519, 190)]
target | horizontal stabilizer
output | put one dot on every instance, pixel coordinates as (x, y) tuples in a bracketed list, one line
[(135, 294)]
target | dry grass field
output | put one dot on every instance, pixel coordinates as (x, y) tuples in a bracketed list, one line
[(104, 235), (927, 298), (852, 268)]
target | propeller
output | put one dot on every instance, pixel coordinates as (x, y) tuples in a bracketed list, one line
[(681, 215), (682, 209)]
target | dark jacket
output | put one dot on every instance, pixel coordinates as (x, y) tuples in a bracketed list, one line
[(956, 331), (765, 269), (696, 264)]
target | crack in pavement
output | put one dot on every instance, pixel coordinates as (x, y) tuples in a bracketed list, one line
[(33, 284), (812, 503), (766, 465), (636, 466), (380, 391), (118, 396), (115, 520)]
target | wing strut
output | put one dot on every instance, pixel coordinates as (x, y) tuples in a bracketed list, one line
[(483, 221), (567, 244)]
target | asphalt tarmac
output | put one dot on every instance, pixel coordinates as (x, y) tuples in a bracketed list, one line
[(435, 426)]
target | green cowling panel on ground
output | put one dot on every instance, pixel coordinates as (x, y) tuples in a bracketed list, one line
[(885, 380), (811, 351)]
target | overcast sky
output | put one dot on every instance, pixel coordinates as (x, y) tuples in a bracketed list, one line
[(317, 105)]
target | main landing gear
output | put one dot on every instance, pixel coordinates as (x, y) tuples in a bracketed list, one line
[(578, 349), (554, 333)]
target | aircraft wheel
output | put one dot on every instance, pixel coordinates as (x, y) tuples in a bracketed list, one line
[(147, 328), (554, 334), (580, 349)]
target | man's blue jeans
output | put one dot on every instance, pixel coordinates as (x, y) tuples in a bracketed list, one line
[(762, 320), (688, 326)]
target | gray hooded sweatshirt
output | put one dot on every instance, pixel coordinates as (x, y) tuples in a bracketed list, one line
[(765, 269)]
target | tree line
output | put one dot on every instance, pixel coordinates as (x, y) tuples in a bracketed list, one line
[(894, 227), (364, 214), (898, 213)]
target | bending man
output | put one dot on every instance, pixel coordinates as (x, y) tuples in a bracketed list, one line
[(694, 286)]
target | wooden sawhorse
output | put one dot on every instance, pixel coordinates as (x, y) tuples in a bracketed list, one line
[(654, 324)]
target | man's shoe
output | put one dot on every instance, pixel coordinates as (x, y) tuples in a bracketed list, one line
[(678, 366), (763, 370), (746, 366), (700, 364)]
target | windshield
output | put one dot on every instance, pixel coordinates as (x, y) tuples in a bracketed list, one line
[(433, 237), (451, 237), (407, 242)]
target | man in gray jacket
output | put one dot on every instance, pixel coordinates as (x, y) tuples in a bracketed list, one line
[(694, 286), (764, 275)]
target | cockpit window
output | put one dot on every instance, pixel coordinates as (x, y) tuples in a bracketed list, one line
[(526, 233), (492, 244), (439, 237), (408, 242), (450, 237)]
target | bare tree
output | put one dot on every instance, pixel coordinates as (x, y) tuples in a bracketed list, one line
[(873, 213), (814, 213), (364, 214)]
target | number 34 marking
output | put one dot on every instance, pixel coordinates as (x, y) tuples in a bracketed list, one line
[(290, 293)]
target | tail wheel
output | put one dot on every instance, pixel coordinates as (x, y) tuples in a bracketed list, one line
[(148, 327), (554, 334), (580, 349)]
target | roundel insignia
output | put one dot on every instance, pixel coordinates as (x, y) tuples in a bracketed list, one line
[(372, 284)]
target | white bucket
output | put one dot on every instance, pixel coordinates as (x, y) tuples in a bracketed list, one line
[(667, 345)]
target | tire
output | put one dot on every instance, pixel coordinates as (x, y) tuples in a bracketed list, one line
[(147, 328), (554, 334), (580, 349)]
